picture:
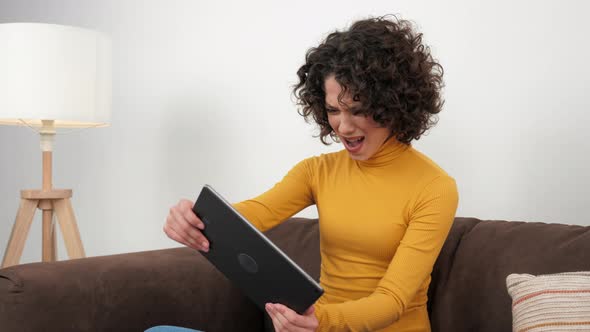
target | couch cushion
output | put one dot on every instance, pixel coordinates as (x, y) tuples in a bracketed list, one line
[(559, 301), (468, 291)]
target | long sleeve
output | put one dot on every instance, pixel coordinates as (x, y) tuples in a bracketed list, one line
[(383, 222), (287, 197), (430, 218)]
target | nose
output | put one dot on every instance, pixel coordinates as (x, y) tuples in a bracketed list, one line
[(346, 124)]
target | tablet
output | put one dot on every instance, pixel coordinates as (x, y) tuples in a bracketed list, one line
[(249, 259)]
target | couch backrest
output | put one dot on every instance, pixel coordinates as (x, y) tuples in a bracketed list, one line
[(468, 288), (299, 238)]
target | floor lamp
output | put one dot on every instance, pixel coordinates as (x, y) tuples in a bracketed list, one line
[(52, 76)]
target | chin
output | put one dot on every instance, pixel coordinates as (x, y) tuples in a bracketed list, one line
[(358, 157)]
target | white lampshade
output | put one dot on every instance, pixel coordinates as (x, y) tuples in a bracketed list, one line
[(54, 72)]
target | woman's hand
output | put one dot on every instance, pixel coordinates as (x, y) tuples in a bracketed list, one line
[(285, 319), (182, 225)]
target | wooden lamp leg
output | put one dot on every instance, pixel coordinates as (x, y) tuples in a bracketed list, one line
[(69, 228), (20, 230), (49, 249), (56, 200), (48, 200)]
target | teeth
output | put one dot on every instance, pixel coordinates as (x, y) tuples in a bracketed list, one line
[(354, 141)]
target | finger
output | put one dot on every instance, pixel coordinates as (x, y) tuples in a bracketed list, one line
[(172, 234), (177, 237), (186, 208), (313, 320), (275, 322), (190, 232), (188, 228), (287, 321), (294, 318), (173, 226)]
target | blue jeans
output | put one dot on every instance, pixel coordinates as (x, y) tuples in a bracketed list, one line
[(166, 328)]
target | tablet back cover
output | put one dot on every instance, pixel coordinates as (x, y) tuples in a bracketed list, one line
[(249, 259)]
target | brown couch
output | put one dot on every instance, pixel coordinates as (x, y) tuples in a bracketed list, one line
[(131, 292)]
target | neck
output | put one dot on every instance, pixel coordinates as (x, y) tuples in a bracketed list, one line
[(390, 150)]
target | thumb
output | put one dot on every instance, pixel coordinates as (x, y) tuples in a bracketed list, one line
[(309, 311)]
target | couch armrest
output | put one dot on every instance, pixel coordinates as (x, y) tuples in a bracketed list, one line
[(128, 292)]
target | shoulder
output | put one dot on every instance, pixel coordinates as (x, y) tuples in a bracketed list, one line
[(325, 159), (429, 177), (320, 166), (424, 165)]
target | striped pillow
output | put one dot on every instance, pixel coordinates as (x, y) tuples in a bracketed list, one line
[(551, 302)]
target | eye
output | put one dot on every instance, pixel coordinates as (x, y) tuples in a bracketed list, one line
[(331, 110), (359, 112)]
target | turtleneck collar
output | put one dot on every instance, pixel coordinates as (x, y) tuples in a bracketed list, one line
[(389, 151)]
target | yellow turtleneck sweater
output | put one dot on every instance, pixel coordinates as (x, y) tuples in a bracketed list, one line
[(383, 222)]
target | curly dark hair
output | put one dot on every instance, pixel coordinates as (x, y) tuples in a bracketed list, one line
[(382, 63)]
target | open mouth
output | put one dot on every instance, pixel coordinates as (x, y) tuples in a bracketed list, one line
[(353, 143)]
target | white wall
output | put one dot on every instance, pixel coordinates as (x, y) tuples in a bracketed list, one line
[(202, 95)]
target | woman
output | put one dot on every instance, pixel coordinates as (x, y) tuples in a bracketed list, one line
[(384, 208)]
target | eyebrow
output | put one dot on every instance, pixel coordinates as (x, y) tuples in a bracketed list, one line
[(344, 105), (352, 109)]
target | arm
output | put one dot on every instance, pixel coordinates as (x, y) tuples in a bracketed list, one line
[(286, 198), (430, 221), (289, 196)]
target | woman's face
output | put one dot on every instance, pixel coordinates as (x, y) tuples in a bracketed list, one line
[(360, 135)]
